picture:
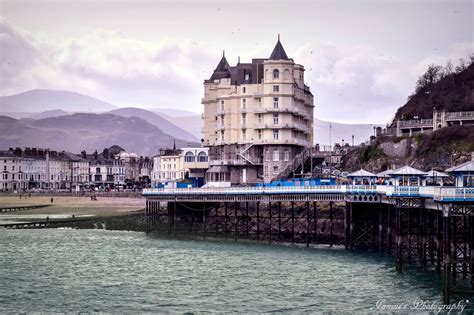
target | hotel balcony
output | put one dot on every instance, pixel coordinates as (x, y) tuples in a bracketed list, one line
[(257, 94), (222, 111)]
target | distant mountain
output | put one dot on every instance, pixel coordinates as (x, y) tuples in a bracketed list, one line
[(361, 132), (43, 100), (155, 119), (88, 132), (192, 124), (173, 112), (49, 113)]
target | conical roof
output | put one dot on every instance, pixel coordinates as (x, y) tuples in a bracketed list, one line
[(278, 52), (222, 70)]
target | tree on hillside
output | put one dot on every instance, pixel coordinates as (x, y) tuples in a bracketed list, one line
[(432, 75)]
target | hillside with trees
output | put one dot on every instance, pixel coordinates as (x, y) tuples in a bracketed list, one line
[(444, 88)]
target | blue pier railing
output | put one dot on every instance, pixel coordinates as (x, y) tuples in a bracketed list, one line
[(443, 194)]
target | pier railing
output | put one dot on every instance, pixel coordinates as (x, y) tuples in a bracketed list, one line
[(437, 193)]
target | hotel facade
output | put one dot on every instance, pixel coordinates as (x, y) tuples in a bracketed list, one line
[(258, 117)]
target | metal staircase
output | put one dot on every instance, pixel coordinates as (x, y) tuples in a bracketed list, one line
[(245, 154), (301, 165)]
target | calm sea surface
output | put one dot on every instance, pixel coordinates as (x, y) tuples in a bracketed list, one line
[(63, 270)]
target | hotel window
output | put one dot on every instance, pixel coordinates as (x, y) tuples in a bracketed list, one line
[(244, 89), (222, 106), (286, 155), (267, 155), (275, 118), (276, 74), (13, 168), (276, 155), (275, 134), (222, 135), (259, 117), (275, 102), (244, 119), (244, 134), (259, 133), (275, 169), (5, 168), (244, 103), (276, 88)]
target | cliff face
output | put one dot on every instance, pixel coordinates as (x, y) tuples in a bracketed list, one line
[(440, 149), (453, 92)]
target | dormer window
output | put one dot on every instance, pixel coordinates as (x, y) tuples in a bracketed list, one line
[(276, 74)]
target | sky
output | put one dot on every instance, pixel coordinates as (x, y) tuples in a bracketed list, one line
[(362, 58)]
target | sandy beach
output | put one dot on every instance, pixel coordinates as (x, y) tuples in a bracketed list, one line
[(79, 206)]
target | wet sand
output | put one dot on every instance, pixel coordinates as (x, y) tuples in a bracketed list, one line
[(79, 206)]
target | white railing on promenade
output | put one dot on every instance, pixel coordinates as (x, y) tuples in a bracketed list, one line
[(436, 192)]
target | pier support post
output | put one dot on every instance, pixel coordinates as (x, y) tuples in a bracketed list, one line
[(315, 216), (439, 240), (279, 220), (237, 208), (446, 259), (174, 217), (204, 220), (307, 224), (258, 221), (351, 227), (398, 259), (422, 239), (389, 230), (330, 224), (226, 217), (471, 247), (380, 237), (269, 222), (247, 221), (292, 222), (347, 224)]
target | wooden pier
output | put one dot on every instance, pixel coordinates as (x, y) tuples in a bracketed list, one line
[(45, 223), (428, 227), (21, 208)]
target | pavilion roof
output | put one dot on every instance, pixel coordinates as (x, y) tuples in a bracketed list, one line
[(407, 170), (465, 167), (361, 173)]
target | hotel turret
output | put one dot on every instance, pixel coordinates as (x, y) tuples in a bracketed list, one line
[(257, 116)]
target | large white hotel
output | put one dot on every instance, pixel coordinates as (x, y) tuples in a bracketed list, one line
[(257, 117)]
